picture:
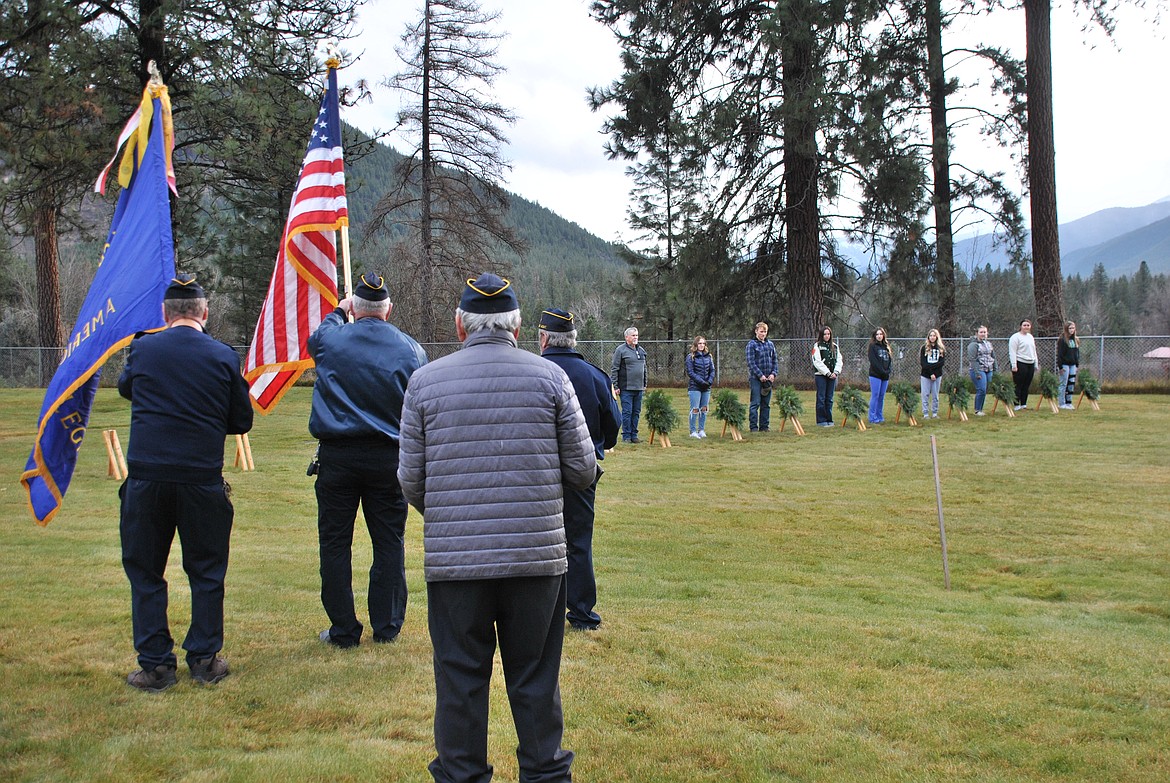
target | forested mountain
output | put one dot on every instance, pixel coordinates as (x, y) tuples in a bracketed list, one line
[(1118, 238), (563, 264)]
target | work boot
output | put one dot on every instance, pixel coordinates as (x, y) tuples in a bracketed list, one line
[(209, 670), (154, 680)]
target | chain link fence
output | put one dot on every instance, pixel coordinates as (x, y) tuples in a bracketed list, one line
[(1118, 361)]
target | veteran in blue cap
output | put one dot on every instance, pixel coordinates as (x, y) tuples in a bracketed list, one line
[(491, 435), (603, 417), (362, 371), (186, 395)]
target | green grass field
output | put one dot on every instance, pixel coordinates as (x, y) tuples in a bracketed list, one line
[(774, 610)]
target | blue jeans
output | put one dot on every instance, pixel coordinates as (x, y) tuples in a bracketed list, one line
[(825, 387), (930, 391), (980, 378), (631, 412), (760, 408), (1068, 383), (699, 401), (877, 399)]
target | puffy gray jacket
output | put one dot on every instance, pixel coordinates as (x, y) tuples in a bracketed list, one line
[(488, 436)]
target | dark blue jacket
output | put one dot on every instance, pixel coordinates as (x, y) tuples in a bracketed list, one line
[(186, 395), (700, 371), (362, 369), (603, 417)]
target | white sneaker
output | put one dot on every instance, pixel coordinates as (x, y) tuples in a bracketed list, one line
[(702, 433), (696, 435), (980, 413), (1068, 407), (1019, 407)]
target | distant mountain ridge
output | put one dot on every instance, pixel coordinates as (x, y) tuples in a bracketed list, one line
[(1118, 238)]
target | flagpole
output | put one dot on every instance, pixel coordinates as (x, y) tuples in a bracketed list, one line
[(333, 62)]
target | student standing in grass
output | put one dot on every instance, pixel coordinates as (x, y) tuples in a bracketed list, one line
[(981, 361), (1022, 355), (881, 360), (700, 376), (1068, 357), (629, 375), (827, 363), (931, 359), (763, 364)]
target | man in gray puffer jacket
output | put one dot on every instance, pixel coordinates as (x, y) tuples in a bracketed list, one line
[(488, 435)]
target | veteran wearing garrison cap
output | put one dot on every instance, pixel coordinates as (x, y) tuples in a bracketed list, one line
[(490, 436), (362, 370), (186, 395), (603, 417)]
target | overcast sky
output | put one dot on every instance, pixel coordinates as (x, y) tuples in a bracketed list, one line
[(1112, 116)]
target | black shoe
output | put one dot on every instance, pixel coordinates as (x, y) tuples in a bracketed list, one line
[(209, 671), (385, 639), (154, 680), (327, 637), (635, 439), (583, 628)]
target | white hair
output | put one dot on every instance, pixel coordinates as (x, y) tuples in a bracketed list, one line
[(482, 322), (364, 308), (561, 339), (184, 308), (631, 330)]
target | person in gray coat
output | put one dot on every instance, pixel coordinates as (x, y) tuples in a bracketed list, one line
[(488, 437)]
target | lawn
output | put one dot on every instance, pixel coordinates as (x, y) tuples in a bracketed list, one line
[(774, 610)]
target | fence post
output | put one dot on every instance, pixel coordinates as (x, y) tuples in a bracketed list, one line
[(1101, 359)]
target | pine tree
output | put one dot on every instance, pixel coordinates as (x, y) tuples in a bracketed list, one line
[(449, 193)]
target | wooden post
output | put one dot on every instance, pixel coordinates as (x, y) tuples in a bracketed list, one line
[(942, 529), (244, 453), (796, 426), (1051, 404), (116, 467)]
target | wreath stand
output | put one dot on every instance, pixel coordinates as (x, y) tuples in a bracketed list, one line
[(909, 417), (1092, 402), (244, 453), (735, 433), (664, 440), (1010, 412), (860, 422), (1051, 403), (795, 424), (116, 467), (962, 413)]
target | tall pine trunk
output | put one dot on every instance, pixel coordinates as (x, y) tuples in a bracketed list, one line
[(426, 272), (944, 253), (1046, 277), (50, 332), (801, 208)]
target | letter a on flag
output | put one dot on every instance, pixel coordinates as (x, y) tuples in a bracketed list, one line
[(304, 284), (125, 297)]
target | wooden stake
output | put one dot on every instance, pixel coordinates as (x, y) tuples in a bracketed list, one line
[(942, 529), (736, 435), (721, 434), (796, 425), (244, 453), (121, 458), (114, 469)]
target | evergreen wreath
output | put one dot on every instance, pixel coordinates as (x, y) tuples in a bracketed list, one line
[(660, 414), (1090, 386), (853, 403), (1001, 388), (906, 396), (787, 402), (1049, 384), (730, 409), (958, 390)]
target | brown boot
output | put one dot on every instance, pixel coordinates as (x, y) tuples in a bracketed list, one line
[(209, 670), (153, 680)]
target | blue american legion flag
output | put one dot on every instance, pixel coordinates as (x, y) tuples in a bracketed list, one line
[(304, 283), (125, 297)]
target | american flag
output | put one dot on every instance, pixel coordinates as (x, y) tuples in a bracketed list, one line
[(304, 284)]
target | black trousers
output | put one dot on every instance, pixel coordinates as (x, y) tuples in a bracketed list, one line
[(466, 618), (353, 473), (1022, 376), (581, 583), (152, 511)]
